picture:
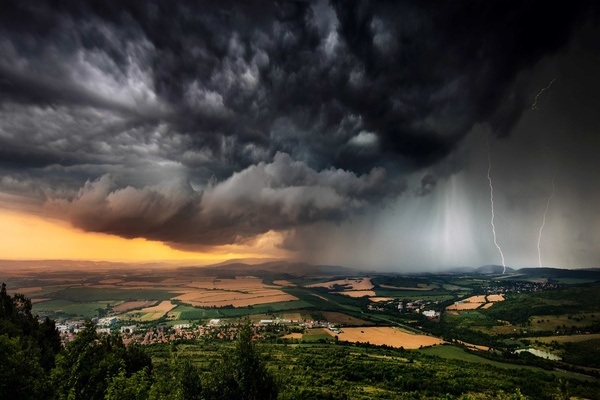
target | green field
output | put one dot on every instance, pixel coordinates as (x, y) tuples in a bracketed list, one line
[(76, 309), (195, 313)]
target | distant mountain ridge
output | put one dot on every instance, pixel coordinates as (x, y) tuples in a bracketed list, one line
[(279, 269), (539, 272), (272, 268)]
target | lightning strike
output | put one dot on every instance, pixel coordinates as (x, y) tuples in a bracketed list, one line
[(534, 105), (544, 223), (492, 206)]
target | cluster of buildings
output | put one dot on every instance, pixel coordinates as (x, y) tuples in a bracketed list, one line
[(518, 287), (423, 307), (214, 329)]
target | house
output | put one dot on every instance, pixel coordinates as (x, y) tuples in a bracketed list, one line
[(128, 329)]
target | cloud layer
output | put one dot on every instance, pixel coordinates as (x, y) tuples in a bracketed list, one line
[(279, 196), (212, 123)]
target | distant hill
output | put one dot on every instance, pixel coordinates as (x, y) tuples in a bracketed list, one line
[(270, 269), (494, 269), (592, 274), (556, 273), (485, 269)]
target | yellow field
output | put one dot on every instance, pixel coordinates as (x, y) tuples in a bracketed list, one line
[(241, 283), (475, 302), (150, 313), (221, 298), (209, 291), (388, 336), (475, 299), (350, 283), (464, 306), (163, 306), (492, 298)]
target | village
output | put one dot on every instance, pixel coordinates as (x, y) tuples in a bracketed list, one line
[(213, 329)]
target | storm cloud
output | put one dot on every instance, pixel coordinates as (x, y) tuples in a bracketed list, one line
[(211, 123), (281, 195)]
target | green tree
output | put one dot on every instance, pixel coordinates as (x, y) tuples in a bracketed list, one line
[(241, 374), (27, 349), (90, 362), (16, 320), (135, 387), (180, 380), (21, 375)]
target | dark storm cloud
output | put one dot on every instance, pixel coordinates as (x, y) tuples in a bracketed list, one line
[(280, 195), (362, 91)]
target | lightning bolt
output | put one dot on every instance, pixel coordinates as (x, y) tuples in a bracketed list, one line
[(544, 223), (492, 204), (534, 105)]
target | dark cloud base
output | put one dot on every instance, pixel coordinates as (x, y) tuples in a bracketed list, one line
[(211, 123)]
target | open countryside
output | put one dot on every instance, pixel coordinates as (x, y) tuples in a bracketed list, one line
[(471, 317)]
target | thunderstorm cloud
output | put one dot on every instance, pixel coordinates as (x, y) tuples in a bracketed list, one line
[(202, 124)]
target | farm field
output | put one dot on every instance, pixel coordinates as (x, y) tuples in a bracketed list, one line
[(348, 284), (388, 336), (566, 338), (128, 296), (132, 305), (221, 298), (151, 313), (475, 302), (315, 334), (76, 309), (550, 322), (343, 319)]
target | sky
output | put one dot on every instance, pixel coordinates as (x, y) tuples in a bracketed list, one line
[(391, 135)]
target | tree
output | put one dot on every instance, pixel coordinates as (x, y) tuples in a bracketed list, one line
[(180, 380), (16, 320), (21, 375), (27, 349), (241, 374), (134, 387), (90, 362)]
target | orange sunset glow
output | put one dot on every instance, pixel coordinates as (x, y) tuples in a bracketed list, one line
[(26, 236)]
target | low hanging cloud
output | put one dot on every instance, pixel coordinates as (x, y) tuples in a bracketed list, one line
[(278, 196)]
